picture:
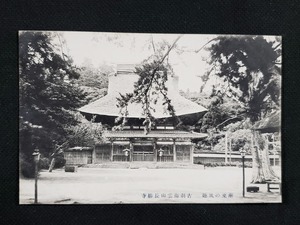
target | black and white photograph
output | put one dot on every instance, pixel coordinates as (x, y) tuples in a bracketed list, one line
[(147, 118)]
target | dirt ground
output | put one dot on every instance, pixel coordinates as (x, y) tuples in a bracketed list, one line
[(112, 185)]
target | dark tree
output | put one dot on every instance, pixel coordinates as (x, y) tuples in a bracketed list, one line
[(47, 93), (250, 69)]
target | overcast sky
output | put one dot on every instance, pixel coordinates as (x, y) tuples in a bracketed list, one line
[(114, 48)]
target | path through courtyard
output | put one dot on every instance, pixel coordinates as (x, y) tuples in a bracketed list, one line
[(105, 186)]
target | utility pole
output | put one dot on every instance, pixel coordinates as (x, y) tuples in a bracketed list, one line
[(230, 152), (36, 158), (226, 147), (243, 153)]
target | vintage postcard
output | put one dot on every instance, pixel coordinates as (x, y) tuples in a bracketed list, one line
[(110, 118)]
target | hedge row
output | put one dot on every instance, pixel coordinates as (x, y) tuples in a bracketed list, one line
[(235, 164)]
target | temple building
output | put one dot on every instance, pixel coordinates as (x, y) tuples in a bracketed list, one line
[(164, 143)]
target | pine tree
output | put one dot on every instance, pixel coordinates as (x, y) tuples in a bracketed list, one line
[(48, 94)]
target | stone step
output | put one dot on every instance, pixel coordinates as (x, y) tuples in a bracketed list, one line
[(148, 165)]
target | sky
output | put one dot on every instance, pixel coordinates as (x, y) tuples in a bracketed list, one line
[(114, 48)]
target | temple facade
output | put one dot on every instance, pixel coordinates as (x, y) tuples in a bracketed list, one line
[(164, 143)]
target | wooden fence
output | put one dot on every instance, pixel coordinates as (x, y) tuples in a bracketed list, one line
[(165, 158), (121, 158)]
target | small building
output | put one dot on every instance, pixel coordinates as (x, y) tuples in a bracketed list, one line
[(79, 155), (164, 143)]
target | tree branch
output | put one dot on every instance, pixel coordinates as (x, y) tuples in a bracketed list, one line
[(205, 45), (153, 46), (230, 119), (146, 97), (276, 46), (160, 62)]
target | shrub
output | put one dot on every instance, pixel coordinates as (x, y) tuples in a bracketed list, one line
[(210, 164), (27, 168), (44, 163), (237, 164), (60, 162), (247, 164)]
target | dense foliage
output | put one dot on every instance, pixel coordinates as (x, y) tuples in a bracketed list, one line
[(93, 80), (249, 67), (48, 94), (84, 134)]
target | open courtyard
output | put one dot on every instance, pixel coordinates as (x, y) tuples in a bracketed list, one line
[(142, 185)]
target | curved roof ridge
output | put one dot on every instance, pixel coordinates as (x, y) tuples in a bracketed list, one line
[(107, 105)]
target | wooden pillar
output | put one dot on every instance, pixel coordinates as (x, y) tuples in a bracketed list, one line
[(131, 150), (155, 149), (174, 150), (94, 155), (112, 151), (192, 153)]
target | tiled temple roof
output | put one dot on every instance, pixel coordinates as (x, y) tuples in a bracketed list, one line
[(122, 82), (107, 106)]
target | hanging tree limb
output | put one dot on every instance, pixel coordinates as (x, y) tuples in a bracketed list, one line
[(161, 61), (229, 120), (131, 97)]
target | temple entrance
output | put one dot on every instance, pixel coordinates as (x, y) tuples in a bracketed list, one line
[(167, 152), (143, 152)]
